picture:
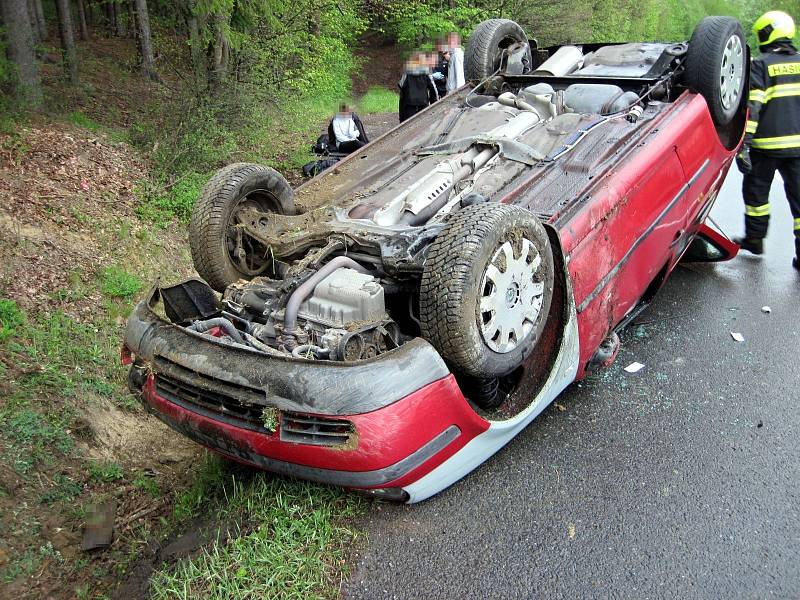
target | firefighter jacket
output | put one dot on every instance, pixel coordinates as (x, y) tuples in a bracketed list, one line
[(773, 126)]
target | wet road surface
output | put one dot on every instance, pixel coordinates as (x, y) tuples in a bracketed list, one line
[(681, 481)]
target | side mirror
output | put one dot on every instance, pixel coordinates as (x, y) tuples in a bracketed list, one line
[(710, 245)]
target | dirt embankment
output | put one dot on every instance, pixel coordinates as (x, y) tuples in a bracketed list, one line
[(67, 214)]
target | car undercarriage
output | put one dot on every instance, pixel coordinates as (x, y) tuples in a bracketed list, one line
[(438, 261)]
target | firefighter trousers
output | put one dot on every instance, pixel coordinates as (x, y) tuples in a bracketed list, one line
[(755, 191)]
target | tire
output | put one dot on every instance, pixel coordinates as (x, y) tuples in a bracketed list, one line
[(213, 241), (716, 66), (485, 47), (460, 300)]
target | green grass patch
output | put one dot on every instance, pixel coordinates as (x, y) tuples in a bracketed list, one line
[(147, 485), (80, 119), (11, 317), (105, 472), (161, 204), (294, 541), (54, 357), (208, 480), (118, 283), (84, 121), (379, 100), (29, 562), (34, 438), (62, 489)]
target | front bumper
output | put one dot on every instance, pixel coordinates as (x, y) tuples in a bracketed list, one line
[(404, 411), (393, 446), (285, 383)]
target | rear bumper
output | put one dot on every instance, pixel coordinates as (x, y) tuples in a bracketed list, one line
[(392, 447)]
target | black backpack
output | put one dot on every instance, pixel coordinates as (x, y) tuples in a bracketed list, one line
[(322, 145), (315, 167)]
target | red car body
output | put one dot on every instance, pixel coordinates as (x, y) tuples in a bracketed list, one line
[(634, 220)]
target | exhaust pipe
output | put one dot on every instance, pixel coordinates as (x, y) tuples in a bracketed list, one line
[(566, 60)]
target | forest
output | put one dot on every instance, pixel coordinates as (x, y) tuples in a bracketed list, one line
[(226, 75)]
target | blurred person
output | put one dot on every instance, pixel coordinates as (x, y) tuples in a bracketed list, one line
[(417, 87), (772, 134), (439, 72), (455, 68), (346, 132)]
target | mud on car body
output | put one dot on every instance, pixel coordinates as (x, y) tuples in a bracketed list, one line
[(393, 322)]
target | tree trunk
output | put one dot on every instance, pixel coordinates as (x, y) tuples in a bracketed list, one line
[(115, 27), (34, 19), (70, 56), (219, 62), (145, 41), (122, 25), (84, 27), (134, 30), (109, 9), (19, 36), (198, 57), (40, 20)]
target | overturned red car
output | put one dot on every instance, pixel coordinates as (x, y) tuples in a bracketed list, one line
[(392, 323)]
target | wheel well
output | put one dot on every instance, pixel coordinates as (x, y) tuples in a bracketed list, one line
[(535, 370)]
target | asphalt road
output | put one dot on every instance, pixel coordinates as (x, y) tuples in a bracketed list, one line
[(682, 481)]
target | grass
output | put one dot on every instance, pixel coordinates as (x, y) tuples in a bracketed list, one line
[(161, 203), (117, 283), (291, 542), (11, 318), (54, 356), (106, 472), (80, 119), (379, 100)]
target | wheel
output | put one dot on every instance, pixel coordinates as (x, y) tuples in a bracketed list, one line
[(716, 64), (486, 44), (221, 252), (486, 289)]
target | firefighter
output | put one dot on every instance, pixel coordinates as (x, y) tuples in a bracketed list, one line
[(772, 135)]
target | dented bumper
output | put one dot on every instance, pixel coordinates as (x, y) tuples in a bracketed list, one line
[(382, 423)]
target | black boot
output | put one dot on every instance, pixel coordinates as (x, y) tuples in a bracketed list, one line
[(751, 244), (796, 263)]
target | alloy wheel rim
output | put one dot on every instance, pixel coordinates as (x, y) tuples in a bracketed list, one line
[(731, 72), (511, 296)]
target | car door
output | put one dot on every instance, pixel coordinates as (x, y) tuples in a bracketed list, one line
[(634, 217)]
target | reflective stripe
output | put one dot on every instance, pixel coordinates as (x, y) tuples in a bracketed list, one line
[(756, 211), (757, 96), (784, 69), (751, 126), (777, 143), (797, 224), (782, 91)]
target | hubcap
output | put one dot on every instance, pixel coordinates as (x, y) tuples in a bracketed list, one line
[(511, 296), (731, 71)]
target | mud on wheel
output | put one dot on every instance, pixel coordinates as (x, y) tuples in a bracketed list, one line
[(485, 47), (486, 289), (222, 253)]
